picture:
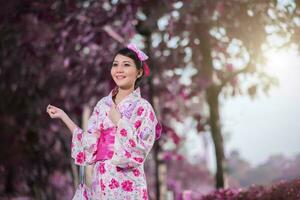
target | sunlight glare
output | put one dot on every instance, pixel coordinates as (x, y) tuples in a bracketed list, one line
[(279, 61)]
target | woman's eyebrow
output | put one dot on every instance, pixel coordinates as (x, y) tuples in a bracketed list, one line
[(123, 61)]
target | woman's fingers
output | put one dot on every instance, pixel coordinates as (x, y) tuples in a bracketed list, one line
[(51, 110), (51, 107), (54, 107)]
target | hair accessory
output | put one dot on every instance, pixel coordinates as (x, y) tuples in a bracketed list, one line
[(142, 56)]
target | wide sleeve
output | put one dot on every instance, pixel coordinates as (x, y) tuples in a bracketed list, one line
[(84, 143), (135, 136)]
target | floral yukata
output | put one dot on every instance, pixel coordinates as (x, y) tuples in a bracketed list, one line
[(117, 151)]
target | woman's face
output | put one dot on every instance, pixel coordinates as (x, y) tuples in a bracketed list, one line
[(124, 72)]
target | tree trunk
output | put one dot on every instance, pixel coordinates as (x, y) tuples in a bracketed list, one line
[(212, 96), (156, 147), (214, 122)]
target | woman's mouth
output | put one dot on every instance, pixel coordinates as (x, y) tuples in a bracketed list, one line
[(120, 77)]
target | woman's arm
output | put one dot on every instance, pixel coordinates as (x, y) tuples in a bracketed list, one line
[(55, 112), (135, 137), (83, 143), (69, 123)]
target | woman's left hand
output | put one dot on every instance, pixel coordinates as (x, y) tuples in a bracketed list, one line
[(114, 114)]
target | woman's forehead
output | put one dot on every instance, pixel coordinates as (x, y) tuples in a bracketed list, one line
[(121, 58)]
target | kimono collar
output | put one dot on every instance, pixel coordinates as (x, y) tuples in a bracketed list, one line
[(134, 94)]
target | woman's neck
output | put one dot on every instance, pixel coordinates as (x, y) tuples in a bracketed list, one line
[(122, 93)]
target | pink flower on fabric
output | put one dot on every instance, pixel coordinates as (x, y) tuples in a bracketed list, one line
[(102, 185), (79, 136), (129, 165), (85, 195), (145, 194), (101, 126), (140, 111), (127, 186), (152, 116), (137, 124), (113, 184), (132, 143), (118, 169), (136, 172), (139, 160), (80, 158), (123, 132), (127, 154), (102, 168)]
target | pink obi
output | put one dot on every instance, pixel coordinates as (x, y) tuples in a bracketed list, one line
[(105, 145)]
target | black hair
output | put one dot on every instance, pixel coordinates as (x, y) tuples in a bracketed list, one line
[(138, 63)]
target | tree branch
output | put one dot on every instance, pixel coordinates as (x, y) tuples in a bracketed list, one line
[(234, 74)]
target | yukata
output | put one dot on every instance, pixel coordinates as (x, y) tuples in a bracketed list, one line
[(117, 151)]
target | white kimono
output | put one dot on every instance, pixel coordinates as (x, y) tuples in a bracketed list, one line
[(121, 176)]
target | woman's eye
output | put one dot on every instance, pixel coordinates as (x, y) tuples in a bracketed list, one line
[(115, 64), (127, 65)]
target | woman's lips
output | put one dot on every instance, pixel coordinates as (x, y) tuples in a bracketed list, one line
[(120, 77)]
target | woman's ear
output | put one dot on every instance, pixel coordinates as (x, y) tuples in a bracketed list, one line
[(140, 74)]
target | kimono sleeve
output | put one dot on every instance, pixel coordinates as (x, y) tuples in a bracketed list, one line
[(135, 137), (84, 143)]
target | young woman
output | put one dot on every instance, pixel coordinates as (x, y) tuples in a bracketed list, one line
[(121, 132)]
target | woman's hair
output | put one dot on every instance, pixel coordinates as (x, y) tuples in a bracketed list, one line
[(138, 63)]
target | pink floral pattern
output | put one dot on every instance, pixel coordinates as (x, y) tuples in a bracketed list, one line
[(137, 124), (102, 168), (140, 111), (121, 175), (80, 158), (113, 184), (123, 132), (127, 186), (136, 172)]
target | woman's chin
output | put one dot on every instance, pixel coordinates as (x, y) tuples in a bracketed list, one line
[(123, 86)]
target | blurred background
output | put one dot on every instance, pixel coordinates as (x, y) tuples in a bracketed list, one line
[(224, 84)]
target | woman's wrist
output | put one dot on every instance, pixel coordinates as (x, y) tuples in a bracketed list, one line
[(68, 122), (64, 117)]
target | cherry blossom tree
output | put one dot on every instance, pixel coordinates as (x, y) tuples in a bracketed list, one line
[(205, 51), (56, 52)]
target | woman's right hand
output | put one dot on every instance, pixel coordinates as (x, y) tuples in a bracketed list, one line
[(55, 112)]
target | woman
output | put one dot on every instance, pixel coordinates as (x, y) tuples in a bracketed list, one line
[(121, 132)]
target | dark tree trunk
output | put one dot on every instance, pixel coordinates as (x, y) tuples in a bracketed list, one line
[(212, 96), (156, 147), (214, 122)]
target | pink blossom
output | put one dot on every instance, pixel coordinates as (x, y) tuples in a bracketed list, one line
[(123, 132), (102, 168), (132, 143), (80, 158), (79, 136), (152, 116), (85, 195), (145, 194), (140, 111), (139, 160), (127, 186), (102, 185), (136, 172), (127, 154), (137, 123), (113, 184)]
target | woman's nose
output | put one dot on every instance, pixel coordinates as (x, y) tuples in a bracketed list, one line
[(120, 68)]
